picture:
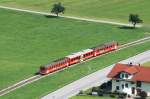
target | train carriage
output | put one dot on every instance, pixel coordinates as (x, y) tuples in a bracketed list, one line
[(88, 53), (54, 66), (75, 58), (101, 49)]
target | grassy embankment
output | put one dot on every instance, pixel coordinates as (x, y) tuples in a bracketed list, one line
[(30, 40), (114, 10), (60, 79)]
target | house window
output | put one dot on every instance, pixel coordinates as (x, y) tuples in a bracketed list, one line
[(123, 86), (122, 75), (126, 75), (133, 90), (117, 80), (117, 87), (138, 84), (132, 83), (126, 85)]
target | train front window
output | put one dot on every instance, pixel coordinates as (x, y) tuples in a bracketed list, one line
[(42, 68)]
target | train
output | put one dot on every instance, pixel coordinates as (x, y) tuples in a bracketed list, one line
[(78, 57)]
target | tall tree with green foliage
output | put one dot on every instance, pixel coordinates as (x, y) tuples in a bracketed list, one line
[(134, 19), (58, 8)]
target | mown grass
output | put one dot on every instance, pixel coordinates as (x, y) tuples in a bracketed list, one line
[(90, 97), (114, 10), (29, 40), (147, 64), (60, 79)]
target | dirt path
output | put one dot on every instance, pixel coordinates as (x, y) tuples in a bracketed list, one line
[(70, 17)]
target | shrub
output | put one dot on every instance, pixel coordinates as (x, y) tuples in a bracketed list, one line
[(112, 95), (95, 89), (122, 95), (81, 92), (143, 95)]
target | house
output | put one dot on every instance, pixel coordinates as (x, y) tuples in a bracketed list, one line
[(130, 79)]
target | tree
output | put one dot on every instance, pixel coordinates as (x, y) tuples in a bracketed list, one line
[(143, 95), (134, 19), (58, 8)]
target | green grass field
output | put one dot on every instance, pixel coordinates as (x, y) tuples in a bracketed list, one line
[(90, 97), (147, 64), (48, 84), (115, 10), (29, 40)]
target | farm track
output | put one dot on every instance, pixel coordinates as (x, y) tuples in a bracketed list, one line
[(37, 77), (69, 17)]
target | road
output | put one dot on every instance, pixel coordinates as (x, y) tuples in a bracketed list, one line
[(93, 79), (70, 17)]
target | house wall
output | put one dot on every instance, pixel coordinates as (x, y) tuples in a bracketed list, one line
[(127, 90), (145, 87)]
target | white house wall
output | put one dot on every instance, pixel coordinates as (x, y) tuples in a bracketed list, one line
[(145, 87), (125, 90)]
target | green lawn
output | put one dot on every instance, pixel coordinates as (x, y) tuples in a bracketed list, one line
[(51, 83), (29, 40), (90, 97), (115, 10), (147, 64)]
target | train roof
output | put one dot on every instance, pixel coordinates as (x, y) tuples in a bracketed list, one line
[(73, 55), (55, 62), (87, 50), (104, 45)]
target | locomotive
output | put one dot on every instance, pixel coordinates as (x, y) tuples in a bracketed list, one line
[(78, 57)]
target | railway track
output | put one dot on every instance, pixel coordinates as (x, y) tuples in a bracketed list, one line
[(137, 42), (19, 84), (37, 77)]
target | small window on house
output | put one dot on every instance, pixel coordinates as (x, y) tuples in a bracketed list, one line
[(117, 87), (132, 83), (122, 86), (122, 75), (138, 84), (126, 85), (133, 90), (117, 80), (126, 75)]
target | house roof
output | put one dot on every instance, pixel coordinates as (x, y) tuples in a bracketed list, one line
[(139, 73)]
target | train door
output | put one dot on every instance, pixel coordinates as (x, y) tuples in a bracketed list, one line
[(81, 58), (102, 51), (115, 46)]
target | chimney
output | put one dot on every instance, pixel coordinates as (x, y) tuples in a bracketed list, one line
[(130, 64), (139, 64)]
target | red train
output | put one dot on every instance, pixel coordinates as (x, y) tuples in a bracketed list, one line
[(78, 57)]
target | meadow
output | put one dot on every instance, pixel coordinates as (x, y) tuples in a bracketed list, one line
[(114, 10), (90, 97), (30, 40), (53, 82), (147, 64)]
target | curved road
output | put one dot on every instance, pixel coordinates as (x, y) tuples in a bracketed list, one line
[(93, 79)]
